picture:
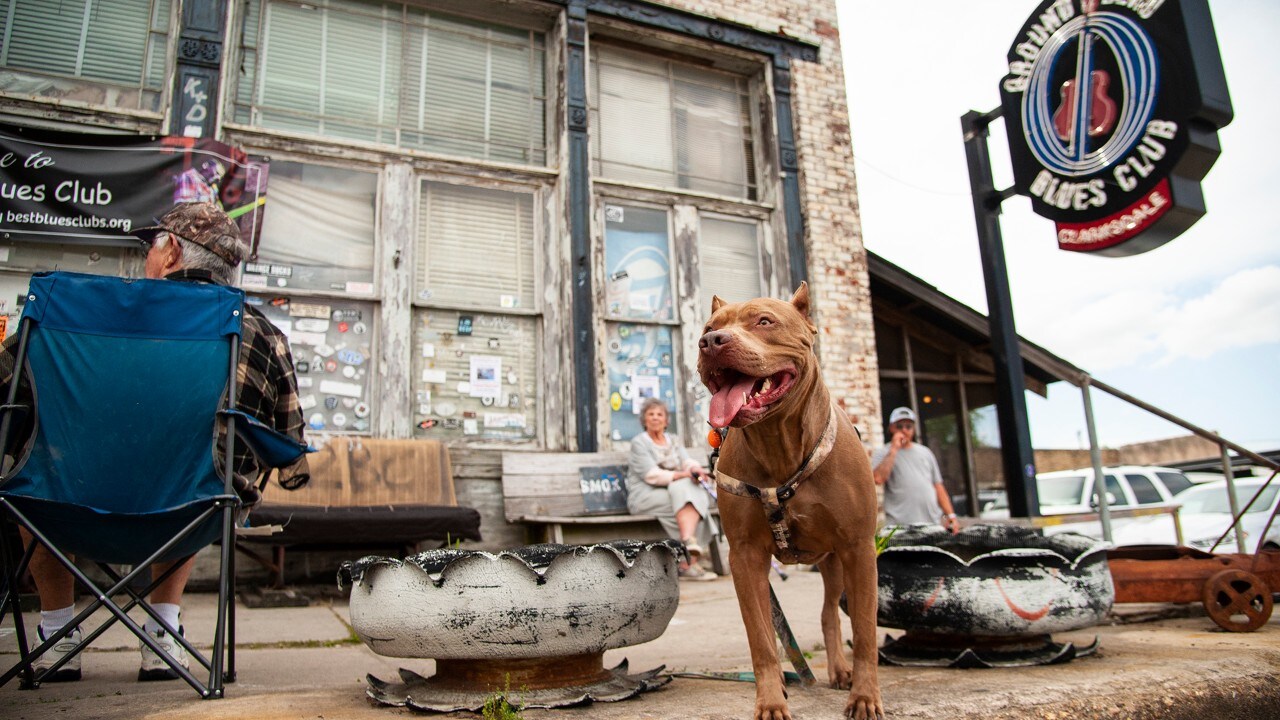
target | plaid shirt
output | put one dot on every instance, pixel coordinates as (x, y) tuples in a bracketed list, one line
[(267, 390)]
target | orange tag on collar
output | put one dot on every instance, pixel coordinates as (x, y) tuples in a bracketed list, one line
[(713, 438)]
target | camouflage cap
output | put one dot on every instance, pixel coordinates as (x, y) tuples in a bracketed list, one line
[(205, 224)]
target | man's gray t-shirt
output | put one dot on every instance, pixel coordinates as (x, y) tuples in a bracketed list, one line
[(909, 495)]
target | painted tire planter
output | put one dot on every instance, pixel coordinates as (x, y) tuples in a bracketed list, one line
[(537, 618), (990, 595)]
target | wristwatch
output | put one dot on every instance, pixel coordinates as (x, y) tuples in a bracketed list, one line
[(950, 516)]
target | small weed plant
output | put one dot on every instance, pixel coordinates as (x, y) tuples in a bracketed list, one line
[(497, 707)]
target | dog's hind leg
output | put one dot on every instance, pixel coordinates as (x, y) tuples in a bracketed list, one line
[(861, 585), (750, 567), (839, 671)]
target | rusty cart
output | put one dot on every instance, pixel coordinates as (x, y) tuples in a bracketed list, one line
[(1236, 588)]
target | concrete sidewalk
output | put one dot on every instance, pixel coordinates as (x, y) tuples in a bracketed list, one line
[(305, 663)]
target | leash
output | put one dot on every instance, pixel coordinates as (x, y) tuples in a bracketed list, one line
[(774, 498)]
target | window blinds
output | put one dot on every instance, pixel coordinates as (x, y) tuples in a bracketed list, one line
[(730, 260), (92, 39), (660, 122), (475, 247), (390, 73)]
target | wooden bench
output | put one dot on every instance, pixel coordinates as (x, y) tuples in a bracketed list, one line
[(545, 491)]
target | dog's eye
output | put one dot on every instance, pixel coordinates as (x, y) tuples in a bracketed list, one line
[(765, 321)]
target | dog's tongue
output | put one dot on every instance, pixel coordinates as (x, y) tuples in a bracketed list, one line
[(726, 403)]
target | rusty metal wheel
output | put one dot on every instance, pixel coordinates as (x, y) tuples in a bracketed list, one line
[(1238, 601)]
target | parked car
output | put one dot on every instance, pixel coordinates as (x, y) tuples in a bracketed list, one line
[(1206, 515), (1069, 492)]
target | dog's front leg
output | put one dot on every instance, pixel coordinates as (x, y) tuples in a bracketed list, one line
[(861, 586), (839, 671), (750, 566)]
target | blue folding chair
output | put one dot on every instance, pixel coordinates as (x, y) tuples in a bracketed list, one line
[(130, 381)]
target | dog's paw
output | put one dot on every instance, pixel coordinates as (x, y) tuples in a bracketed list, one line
[(766, 710), (861, 707), (840, 676)]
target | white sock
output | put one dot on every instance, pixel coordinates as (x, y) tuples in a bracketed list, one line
[(52, 621), (167, 611)]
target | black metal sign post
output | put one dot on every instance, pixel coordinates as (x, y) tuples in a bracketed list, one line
[(1011, 400)]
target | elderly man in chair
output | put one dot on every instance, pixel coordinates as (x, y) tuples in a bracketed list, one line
[(193, 242)]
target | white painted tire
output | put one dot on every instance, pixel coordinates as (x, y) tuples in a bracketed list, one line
[(537, 601), (992, 580)]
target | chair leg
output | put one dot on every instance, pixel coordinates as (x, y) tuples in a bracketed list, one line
[(13, 602), (228, 550), (230, 676)]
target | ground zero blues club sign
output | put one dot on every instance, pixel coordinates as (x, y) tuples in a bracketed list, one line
[(1112, 109)]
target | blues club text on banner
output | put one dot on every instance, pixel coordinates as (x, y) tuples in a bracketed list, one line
[(93, 188)]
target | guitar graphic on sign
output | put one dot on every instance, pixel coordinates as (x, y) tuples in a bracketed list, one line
[(1085, 96)]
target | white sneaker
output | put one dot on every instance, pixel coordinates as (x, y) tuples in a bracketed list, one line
[(153, 666), (70, 670)]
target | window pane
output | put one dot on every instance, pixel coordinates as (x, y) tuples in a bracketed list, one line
[(1175, 482), (475, 247), (482, 385), (19, 260), (637, 263), (635, 120), (332, 343), (709, 133), (317, 231), (639, 365), (116, 41), (395, 74), (1144, 491), (1117, 497), (662, 122), (730, 260), (95, 51)]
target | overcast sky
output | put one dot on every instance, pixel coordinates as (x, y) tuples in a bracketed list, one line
[(1192, 327)]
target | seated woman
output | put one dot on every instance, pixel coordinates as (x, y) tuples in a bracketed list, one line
[(661, 481)]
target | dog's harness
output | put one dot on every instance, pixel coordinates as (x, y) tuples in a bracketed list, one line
[(773, 498)]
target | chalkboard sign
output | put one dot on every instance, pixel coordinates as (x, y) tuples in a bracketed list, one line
[(604, 490)]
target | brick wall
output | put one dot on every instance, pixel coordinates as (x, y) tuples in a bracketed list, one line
[(837, 267)]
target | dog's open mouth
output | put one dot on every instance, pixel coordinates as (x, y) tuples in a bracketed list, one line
[(738, 399)]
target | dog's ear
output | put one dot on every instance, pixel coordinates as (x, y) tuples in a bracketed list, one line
[(716, 303), (801, 298)]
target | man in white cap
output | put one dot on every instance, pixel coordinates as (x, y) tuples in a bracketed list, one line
[(913, 489)]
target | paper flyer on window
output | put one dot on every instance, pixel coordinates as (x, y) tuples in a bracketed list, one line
[(486, 376)]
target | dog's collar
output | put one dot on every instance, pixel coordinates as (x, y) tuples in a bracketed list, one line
[(773, 498)]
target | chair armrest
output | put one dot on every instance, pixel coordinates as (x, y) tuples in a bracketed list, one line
[(272, 447)]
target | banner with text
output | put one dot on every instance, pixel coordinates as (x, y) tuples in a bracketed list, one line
[(77, 187)]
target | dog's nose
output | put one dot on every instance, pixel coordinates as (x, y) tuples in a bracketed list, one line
[(713, 341)]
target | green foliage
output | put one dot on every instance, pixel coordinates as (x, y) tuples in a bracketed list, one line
[(497, 707), (882, 539)]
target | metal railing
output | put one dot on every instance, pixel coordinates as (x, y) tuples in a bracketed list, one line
[(1084, 381)]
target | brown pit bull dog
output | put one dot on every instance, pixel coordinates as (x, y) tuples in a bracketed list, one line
[(795, 483)]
